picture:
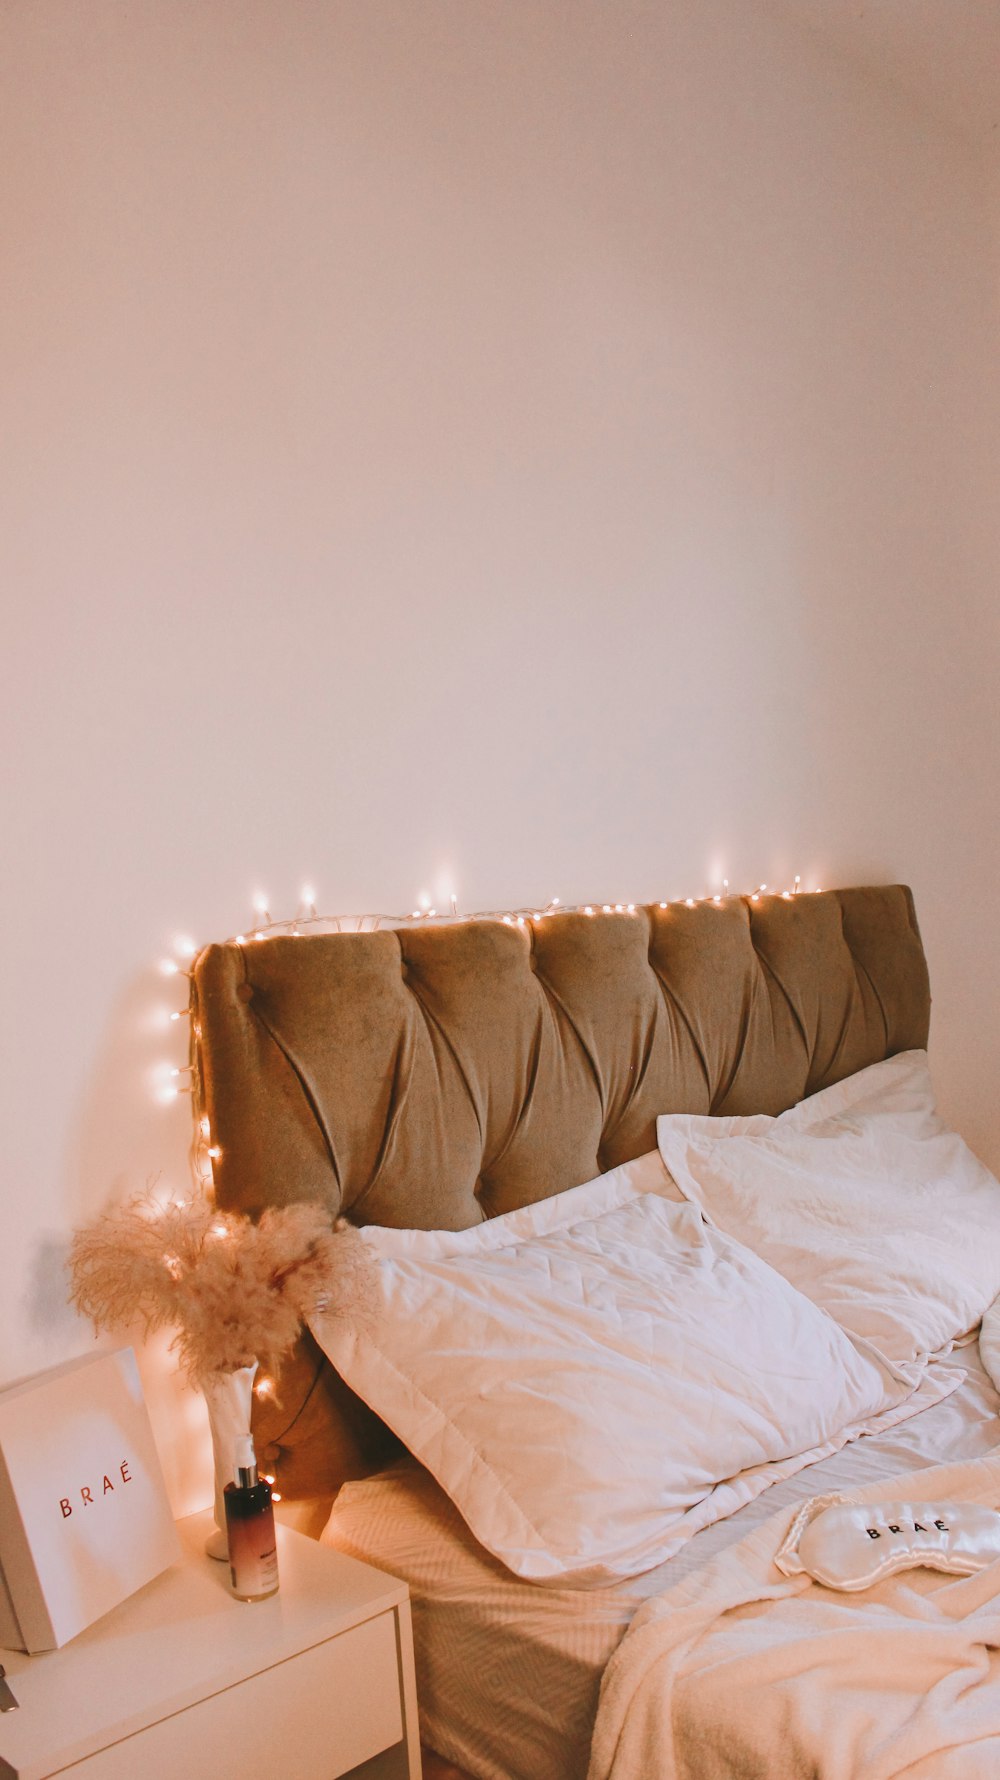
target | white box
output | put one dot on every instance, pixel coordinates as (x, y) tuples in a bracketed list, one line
[(84, 1516)]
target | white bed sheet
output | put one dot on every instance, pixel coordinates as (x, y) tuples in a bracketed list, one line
[(508, 1672)]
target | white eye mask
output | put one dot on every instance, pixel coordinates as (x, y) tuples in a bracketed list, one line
[(850, 1545)]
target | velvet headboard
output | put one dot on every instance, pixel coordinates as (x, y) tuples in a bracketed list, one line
[(433, 1076)]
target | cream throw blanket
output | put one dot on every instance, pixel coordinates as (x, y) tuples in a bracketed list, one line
[(739, 1673)]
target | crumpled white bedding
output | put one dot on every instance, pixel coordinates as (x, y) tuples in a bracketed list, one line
[(509, 1673), (739, 1671)]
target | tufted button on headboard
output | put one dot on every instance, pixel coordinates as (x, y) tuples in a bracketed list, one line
[(434, 1076)]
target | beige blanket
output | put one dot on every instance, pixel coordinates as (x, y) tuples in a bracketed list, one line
[(740, 1673)]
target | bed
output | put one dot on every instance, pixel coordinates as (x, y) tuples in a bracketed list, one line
[(432, 1077)]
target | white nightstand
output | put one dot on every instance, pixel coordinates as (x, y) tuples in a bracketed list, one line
[(183, 1683)]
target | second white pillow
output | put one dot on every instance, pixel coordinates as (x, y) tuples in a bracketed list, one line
[(862, 1198)]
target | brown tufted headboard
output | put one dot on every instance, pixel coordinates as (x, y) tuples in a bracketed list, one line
[(433, 1076)]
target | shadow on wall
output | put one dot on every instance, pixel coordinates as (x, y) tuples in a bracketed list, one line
[(121, 1140)]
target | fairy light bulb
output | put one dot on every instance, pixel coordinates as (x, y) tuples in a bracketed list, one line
[(169, 967), (663, 905), (605, 908), (689, 902), (264, 1388), (167, 1092), (588, 910)]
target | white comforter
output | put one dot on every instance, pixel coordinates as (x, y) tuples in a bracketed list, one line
[(739, 1672)]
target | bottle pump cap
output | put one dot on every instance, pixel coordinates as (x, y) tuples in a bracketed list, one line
[(245, 1463)]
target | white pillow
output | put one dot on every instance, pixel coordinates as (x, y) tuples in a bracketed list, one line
[(862, 1198), (595, 1376)]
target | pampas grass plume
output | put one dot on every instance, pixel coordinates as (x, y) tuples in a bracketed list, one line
[(235, 1291)]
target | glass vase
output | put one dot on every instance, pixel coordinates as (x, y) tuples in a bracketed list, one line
[(229, 1396)]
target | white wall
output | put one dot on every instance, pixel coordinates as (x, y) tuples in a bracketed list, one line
[(541, 446)]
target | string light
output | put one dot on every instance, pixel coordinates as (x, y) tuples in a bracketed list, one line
[(264, 1388), (204, 1153)]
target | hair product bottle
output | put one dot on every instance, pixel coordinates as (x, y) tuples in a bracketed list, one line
[(253, 1552)]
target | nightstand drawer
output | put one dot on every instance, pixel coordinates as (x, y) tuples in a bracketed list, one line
[(311, 1717)]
